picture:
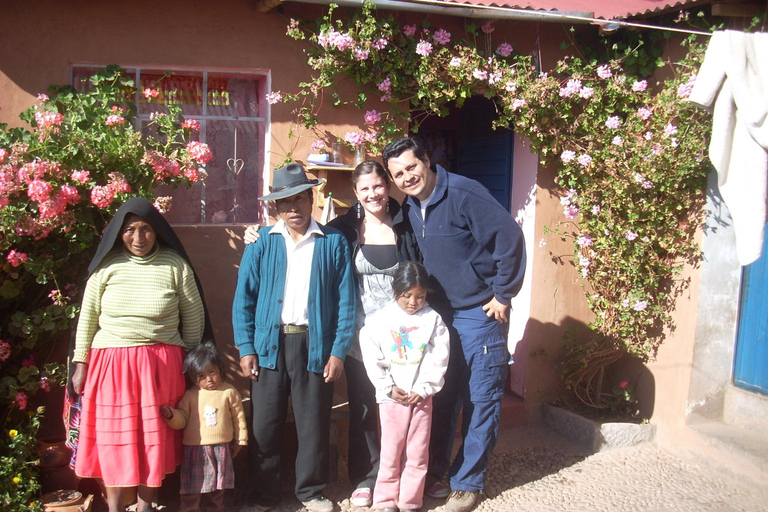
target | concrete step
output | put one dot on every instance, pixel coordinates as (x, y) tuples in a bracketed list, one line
[(735, 450)]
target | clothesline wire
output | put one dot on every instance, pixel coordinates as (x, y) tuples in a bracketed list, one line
[(562, 16)]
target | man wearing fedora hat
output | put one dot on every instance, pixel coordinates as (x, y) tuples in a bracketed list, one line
[(293, 317)]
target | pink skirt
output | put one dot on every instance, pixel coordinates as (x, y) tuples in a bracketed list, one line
[(124, 439)]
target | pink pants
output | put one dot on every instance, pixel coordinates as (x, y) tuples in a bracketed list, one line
[(404, 454)]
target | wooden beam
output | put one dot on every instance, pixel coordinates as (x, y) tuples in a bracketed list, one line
[(266, 5), (737, 9)]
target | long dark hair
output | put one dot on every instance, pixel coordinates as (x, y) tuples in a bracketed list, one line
[(199, 358), (409, 274)]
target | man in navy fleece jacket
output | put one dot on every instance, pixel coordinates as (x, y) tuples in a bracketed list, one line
[(475, 251)]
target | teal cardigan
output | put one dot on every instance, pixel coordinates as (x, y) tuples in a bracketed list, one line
[(258, 300)]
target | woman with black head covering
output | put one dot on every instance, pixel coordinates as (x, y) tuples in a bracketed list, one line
[(142, 307)]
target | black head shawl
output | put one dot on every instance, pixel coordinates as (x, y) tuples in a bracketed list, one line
[(112, 239)]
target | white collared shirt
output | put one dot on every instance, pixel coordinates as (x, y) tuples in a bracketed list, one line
[(298, 271)]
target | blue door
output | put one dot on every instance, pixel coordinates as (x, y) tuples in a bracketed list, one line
[(751, 362)]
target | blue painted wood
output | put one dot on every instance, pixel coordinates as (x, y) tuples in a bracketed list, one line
[(751, 361), (489, 161)]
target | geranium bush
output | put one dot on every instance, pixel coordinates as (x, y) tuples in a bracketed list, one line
[(628, 150), (61, 181)]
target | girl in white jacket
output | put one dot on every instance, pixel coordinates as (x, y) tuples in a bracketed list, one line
[(405, 350)]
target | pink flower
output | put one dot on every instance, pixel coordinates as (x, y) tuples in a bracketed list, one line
[(625, 303), (670, 130), (643, 113), (39, 190), (114, 119), (42, 98), (567, 155), (44, 385), (371, 137), (511, 87), (70, 194), (584, 241), (542, 243), (409, 30), (647, 184), (657, 149), (623, 384), (199, 152), (102, 196), (3, 155), (640, 305), (504, 49), (21, 400), (442, 36), (455, 62), (355, 139), (5, 350), (595, 210), (571, 212), (194, 174), (517, 104), (640, 85), (57, 297), (118, 183), (274, 97), (380, 44), (488, 27), (48, 119), (684, 90), (191, 124), (573, 86), (480, 74), (604, 71), (423, 48), (317, 146), (613, 122), (151, 93), (80, 176), (163, 204), (617, 141), (361, 53), (630, 235), (372, 117), (385, 85), (28, 361), (16, 258), (584, 160), (586, 92)]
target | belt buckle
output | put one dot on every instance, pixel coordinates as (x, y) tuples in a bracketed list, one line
[(294, 329)]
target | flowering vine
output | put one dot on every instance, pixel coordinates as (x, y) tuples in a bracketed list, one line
[(629, 154)]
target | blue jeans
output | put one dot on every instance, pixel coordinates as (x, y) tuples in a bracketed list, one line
[(475, 383)]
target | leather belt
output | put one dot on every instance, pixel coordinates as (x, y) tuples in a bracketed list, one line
[(293, 329)]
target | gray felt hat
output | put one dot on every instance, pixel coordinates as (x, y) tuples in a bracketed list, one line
[(289, 181)]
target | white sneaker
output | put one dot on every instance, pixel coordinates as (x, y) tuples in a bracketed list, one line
[(362, 497)]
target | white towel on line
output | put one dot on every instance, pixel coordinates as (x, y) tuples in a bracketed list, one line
[(733, 84)]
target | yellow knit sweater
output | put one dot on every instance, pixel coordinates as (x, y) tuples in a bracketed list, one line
[(211, 416)]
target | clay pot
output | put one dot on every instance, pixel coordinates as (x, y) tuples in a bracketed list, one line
[(67, 501), (53, 452)]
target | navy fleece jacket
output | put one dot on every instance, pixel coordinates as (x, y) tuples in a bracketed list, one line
[(470, 243)]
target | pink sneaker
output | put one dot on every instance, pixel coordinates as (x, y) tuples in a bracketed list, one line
[(362, 497), (438, 490)]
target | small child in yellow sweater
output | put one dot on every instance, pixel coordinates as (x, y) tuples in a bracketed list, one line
[(211, 414)]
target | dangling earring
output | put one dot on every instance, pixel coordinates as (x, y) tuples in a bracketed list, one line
[(359, 210), (387, 206)]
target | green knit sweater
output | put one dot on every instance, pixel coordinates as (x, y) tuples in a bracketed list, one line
[(132, 301)]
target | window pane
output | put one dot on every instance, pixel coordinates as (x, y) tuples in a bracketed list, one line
[(184, 90), (233, 95), (232, 196)]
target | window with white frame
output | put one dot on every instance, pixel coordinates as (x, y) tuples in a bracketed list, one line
[(232, 122)]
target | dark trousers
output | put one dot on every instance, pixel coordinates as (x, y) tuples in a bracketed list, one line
[(364, 446), (311, 398)]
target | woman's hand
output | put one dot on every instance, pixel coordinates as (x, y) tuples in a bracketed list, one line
[(78, 379), (167, 412), (251, 234)]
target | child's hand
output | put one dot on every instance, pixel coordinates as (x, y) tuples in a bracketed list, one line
[(167, 412), (398, 395), (415, 398), (235, 449)]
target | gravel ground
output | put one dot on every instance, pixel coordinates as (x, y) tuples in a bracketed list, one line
[(535, 470)]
